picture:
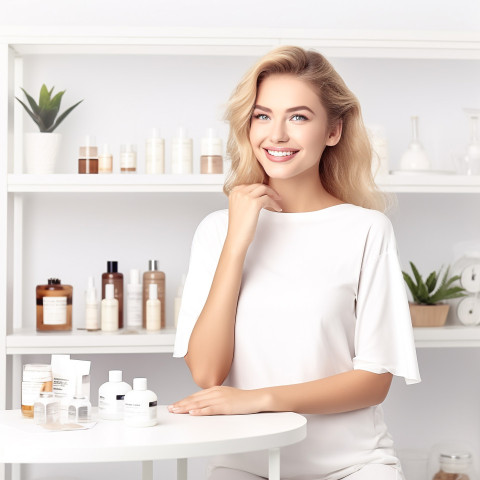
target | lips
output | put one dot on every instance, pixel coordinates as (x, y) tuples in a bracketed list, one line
[(280, 155)]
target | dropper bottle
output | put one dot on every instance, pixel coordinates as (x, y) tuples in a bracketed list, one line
[(91, 306), (79, 409)]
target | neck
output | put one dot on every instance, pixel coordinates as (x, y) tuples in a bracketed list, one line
[(303, 194)]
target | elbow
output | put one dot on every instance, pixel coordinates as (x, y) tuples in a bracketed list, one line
[(207, 381), (383, 386)]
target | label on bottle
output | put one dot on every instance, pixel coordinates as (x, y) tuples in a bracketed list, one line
[(31, 392), (141, 410), (128, 160), (111, 403), (134, 308), (54, 310)]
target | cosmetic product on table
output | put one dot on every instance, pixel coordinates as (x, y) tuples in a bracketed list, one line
[(128, 158), (113, 276), (88, 156), (111, 396), (182, 153), (54, 306), (79, 408), (155, 153), (140, 405), (105, 160), (91, 306), (109, 315), (134, 300), (153, 276), (46, 409), (211, 160), (36, 378)]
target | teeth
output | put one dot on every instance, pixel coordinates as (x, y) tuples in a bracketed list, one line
[(276, 153)]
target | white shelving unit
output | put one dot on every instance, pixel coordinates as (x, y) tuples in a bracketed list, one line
[(15, 43)]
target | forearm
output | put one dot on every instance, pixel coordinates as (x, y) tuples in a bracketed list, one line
[(211, 345), (344, 392)]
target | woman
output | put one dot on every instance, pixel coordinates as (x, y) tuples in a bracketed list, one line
[(294, 299)]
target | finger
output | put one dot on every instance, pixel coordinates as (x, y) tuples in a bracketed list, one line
[(270, 203), (262, 189)]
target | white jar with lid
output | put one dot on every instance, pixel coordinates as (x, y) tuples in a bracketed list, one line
[(140, 405), (211, 160), (455, 465), (182, 153), (111, 396)]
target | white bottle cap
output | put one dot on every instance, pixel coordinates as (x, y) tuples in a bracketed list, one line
[(91, 290), (90, 141), (134, 276), (140, 383), (109, 291), (152, 291), (182, 137), (128, 148), (115, 376), (105, 150), (211, 144), (155, 133)]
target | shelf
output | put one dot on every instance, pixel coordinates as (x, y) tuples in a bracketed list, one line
[(449, 336), (140, 183), (136, 183), (241, 41), (27, 341)]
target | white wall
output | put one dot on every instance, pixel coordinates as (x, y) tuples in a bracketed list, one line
[(118, 105)]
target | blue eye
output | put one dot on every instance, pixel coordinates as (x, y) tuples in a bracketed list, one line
[(261, 116), (298, 117)]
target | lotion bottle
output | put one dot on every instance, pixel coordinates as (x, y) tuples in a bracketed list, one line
[(134, 300), (113, 276), (140, 405), (153, 308), (91, 306), (111, 396), (153, 276), (182, 153), (155, 153), (109, 310)]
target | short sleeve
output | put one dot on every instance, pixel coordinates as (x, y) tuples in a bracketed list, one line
[(384, 339), (207, 245)]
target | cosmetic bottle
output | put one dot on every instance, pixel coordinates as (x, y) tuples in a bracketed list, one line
[(54, 306), (64, 401), (105, 160), (415, 157), (178, 299), (111, 396), (153, 276), (153, 309), (46, 409), (155, 153), (88, 156), (109, 315), (91, 306), (134, 300), (79, 409), (36, 378), (182, 153), (140, 405), (128, 158), (113, 276), (211, 160)]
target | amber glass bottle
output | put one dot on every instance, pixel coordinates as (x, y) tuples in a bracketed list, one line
[(54, 306)]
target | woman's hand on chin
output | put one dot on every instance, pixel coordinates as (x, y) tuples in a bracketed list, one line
[(221, 401)]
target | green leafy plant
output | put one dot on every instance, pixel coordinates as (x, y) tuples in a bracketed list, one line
[(45, 112), (427, 292)]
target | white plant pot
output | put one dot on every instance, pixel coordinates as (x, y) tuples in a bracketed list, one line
[(40, 152)]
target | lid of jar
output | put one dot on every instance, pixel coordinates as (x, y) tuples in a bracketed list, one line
[(54, 281), (211, 144), (455, 462)]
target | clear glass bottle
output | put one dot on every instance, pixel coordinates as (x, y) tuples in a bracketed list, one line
[(36, 378), (54, 306), (455, 465), (79, 408), (415, 157), (46, 409)]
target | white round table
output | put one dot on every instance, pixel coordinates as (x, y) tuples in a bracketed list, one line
[(174, 437)]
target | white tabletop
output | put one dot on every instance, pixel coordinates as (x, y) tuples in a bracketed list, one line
[(174, 437)]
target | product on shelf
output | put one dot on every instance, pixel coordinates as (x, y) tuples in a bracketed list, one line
[(134, 300), (128, 158), (114, 277), (91, 306), (54, 306), (140, 405), (182, 152), (211, 160), (105, 160), (111, 396), (154, 314), (153, 276), (155, 153), (88, 156), (46, 409), (109, 316)]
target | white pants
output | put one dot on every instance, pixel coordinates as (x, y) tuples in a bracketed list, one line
[(368, 472)]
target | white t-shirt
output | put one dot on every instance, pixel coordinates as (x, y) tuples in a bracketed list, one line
[(322, 293)]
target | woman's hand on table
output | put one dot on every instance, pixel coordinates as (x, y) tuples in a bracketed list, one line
[(221, 401)]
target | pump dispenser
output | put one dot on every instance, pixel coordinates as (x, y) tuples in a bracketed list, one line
[(91, 306), (112, 276), (153, 276), (140, 405), (111, 396), (211, 160), (182, 152)]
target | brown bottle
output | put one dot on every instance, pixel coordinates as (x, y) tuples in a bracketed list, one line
[(112, 276), (153, 276), (88, 157), (54, 306)]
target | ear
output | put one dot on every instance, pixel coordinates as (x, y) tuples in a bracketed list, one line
[(335, 134)]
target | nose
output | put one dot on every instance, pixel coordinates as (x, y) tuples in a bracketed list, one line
[(279, 132)]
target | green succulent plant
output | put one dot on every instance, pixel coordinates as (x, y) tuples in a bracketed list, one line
[(427, 292), (45, 112)]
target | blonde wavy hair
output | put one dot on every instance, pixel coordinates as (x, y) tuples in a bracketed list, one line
[(346, 168)]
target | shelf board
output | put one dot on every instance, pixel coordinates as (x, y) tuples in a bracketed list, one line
[(242, 41), (27, 341), (448, 336), (136, 183), (140, 183)]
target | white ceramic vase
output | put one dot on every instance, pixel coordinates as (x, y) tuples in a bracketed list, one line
[(40, 152)]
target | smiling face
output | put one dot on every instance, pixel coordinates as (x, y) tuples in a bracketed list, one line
[(289, 127)]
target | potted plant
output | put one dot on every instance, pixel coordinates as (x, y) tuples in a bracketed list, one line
[(41, 149), (429, 309)]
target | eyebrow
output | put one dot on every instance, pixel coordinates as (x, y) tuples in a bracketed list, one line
[(293, 109)]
